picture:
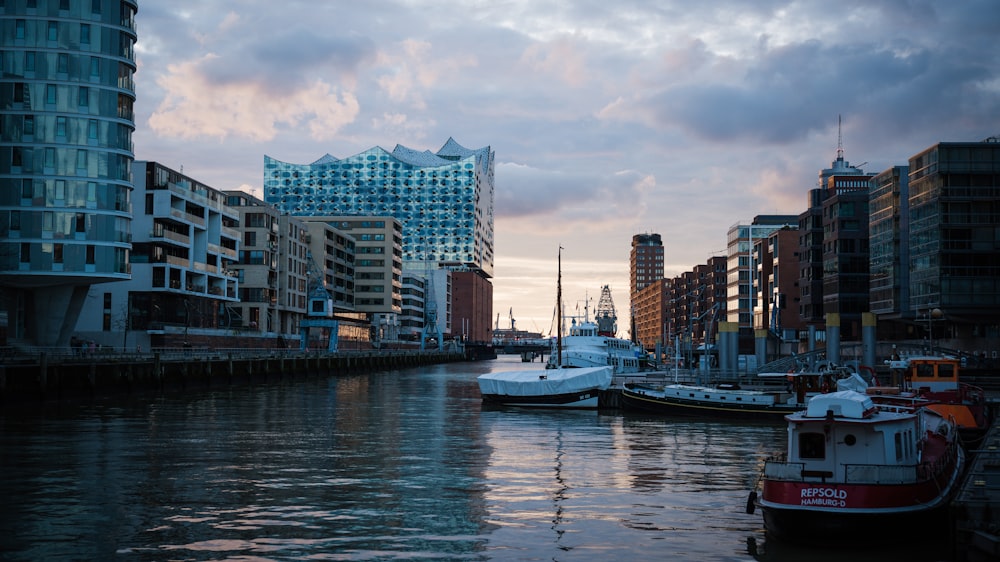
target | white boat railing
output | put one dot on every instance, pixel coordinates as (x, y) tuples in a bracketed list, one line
[(853, 473)]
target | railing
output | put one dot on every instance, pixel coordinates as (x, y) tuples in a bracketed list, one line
[(854, 473)]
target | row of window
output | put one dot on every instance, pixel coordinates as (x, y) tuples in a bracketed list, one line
[(62, 129), (51, 192), (62, 34), (66, 162), (86, 100), (65, 257)]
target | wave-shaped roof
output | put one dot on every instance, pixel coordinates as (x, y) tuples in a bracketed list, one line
[(447, 155), (326, 159)]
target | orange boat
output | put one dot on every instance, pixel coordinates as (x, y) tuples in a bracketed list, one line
[(934, 380)]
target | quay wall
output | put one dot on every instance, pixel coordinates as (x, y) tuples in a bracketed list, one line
[(55, 378)]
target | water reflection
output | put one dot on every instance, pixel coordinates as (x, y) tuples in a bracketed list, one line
[(397, 465)]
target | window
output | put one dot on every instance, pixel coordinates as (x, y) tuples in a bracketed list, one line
[(92, 129), (29, 125), (29, 61), (95, 6), (62, 63), (53, 31), (57, 253), (84, 100), (19, 29), (812, 446), (51, 94), (25, 252), (60, 126), (81, 159), (90, 255), (95, 66), (85, 34)]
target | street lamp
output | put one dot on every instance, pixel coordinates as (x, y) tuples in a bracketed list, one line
[(932, 314)]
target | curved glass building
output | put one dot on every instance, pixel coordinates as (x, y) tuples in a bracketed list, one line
[(66, 97), (444, 200)]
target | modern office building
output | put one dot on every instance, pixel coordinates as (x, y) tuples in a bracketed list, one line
[(741, 264), (183, 285), (66, 96), (888, 244), (443, 200), (833, 251), (378, 267), (645, 268), (954, 261)]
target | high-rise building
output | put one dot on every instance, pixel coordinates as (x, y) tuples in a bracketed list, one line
[(833, 252), (66, 96), (645, 268), (954, 261), (443, 200), (888, 245)]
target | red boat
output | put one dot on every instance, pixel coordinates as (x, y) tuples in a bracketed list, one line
[(859, 470)]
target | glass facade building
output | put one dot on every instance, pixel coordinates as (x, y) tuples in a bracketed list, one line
[(443, 200), (66, 97), (954, 201)]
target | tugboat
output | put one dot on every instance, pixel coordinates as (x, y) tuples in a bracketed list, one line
[(857, 470)]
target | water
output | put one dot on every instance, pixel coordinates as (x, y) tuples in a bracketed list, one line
[(404, 465)]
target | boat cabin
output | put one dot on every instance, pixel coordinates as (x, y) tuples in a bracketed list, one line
[(843, 436), (927, 374)]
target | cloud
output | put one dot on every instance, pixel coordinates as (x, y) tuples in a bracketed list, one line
[(195, 107), (607, 119)]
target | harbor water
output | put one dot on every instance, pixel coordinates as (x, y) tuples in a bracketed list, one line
[(398, 465)]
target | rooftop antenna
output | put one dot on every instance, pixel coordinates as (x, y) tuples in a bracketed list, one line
[(840, 139)]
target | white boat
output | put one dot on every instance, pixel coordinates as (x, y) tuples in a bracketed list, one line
[(857, 470), (586, 347), (787, 394), (556, 386), (594, 344), (565, 387)]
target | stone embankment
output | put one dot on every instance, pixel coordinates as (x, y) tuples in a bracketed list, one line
[(48, 376)]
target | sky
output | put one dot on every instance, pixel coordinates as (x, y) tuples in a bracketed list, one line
[(608, 119)]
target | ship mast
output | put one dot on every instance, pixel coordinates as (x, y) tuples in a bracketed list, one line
[(559, 312)]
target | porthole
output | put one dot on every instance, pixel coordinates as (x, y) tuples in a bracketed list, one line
[(850, 439)]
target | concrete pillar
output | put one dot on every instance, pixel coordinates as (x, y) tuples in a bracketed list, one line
[(833, 338), (760, 346), (868, 341), (729, 334)]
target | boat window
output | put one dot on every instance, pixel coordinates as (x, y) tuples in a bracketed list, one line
[(850, 439), (898, 438), (946, 371), (812, 446)]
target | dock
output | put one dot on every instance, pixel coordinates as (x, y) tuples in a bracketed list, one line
[(975, 511)]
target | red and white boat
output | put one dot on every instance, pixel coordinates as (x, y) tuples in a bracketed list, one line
[(860, 470)]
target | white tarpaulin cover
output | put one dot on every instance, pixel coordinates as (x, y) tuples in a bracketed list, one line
[(545, 382)]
